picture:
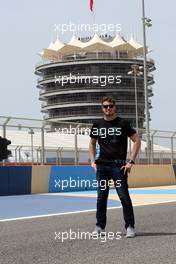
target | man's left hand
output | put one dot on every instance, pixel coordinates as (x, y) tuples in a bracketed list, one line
[(127, 167)]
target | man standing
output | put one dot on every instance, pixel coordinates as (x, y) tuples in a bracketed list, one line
[(108, 150)]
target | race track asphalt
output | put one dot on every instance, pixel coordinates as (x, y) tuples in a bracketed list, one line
[(38, 241)]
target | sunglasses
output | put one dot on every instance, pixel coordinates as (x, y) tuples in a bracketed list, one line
[(110, 106)]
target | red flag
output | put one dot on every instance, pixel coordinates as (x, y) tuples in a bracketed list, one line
[(91, 5)]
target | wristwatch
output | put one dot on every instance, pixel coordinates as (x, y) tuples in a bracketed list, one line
[(130, 161)]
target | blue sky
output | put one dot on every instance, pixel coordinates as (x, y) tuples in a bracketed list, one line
[(28, 26)]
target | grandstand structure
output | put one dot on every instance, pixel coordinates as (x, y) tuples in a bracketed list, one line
[(33, 142), (60, 148), (91, 68)]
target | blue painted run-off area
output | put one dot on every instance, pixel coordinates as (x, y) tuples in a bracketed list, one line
[(45, 204)]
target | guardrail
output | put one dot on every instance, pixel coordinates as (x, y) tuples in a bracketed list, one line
[(33, 148), (96, 57)]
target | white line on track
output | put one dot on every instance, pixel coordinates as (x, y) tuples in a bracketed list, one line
[(77, 212)]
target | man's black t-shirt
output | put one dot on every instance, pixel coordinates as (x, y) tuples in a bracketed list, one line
[(111, 139)]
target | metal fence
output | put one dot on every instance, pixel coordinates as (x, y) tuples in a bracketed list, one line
[(34, 142)]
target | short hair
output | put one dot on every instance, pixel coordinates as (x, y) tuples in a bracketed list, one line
[(108, 99)]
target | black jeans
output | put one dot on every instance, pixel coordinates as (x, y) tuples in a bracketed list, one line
[(106, 172)]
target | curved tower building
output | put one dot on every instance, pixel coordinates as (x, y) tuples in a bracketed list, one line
[(74, 77)]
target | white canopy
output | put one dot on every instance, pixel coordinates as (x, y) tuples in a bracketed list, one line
[(51, 45), (117, 41), (57, 45), (138, 47), (96, 43), (135, 44), (58, 49), (75, 42), (74, 45)]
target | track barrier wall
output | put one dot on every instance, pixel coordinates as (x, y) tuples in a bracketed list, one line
[(16, 180), (71, 178), (151, 176), (40, 179)]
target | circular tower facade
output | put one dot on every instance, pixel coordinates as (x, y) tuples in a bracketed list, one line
[(74, 77)]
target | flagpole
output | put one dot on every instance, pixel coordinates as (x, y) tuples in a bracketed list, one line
[(93, 16), (93, 13)]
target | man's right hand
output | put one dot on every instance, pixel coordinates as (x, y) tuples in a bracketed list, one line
[(94, 166)]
